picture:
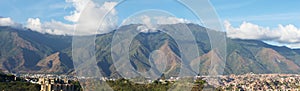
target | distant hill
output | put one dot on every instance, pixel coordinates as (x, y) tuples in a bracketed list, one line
[(21, 50), (28, 51)]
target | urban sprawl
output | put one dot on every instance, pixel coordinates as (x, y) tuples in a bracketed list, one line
[(250, 81)]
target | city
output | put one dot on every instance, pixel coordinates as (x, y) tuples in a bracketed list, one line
[(245, 82), (265, 82), (149, 45)]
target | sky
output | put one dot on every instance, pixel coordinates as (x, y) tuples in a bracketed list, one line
[(276, 22)]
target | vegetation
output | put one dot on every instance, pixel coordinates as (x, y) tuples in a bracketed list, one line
[(77, 85), (19, 86), (127, 85), (11, 83), (243, 56)]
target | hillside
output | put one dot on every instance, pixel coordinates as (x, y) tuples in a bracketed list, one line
[(21, 50), (25, 51)]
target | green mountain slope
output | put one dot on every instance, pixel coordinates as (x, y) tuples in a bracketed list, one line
[(28, 51), (21, 50)]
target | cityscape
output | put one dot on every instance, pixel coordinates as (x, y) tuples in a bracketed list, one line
[(149, 45), (245, 82)]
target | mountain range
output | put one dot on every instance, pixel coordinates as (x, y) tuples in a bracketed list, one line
[(27, 51)]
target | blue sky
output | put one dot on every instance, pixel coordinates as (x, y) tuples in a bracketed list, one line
[(21, 10), (258, 15), (262, 12)]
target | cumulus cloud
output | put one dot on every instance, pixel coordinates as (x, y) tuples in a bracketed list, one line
[(53, 27), (9, 22), (296, 46), (6, 22), (286, 34), (34, 24), (151, 23), (59, 28), (171, 20), (249, 31), (79, 6), (96, 17), (86, 25)]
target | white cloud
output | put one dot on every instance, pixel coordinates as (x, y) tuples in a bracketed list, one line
[(288, 34), (59, 28), (53, 27), (296, 46), (249, 31), (151, 23), (171, 20), (34, 24), (79, 6), (88, 23), (6, 22), (9, 22), (91, 16)]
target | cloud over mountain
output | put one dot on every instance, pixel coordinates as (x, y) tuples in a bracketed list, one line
[(285, 34), (53, 27), (96, 10), (151, 22), (7, 21), (101, 17)]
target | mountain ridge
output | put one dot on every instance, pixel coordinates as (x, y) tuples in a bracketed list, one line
[(28, 51)]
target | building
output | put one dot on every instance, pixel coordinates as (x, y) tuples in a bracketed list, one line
[(51, 84)]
